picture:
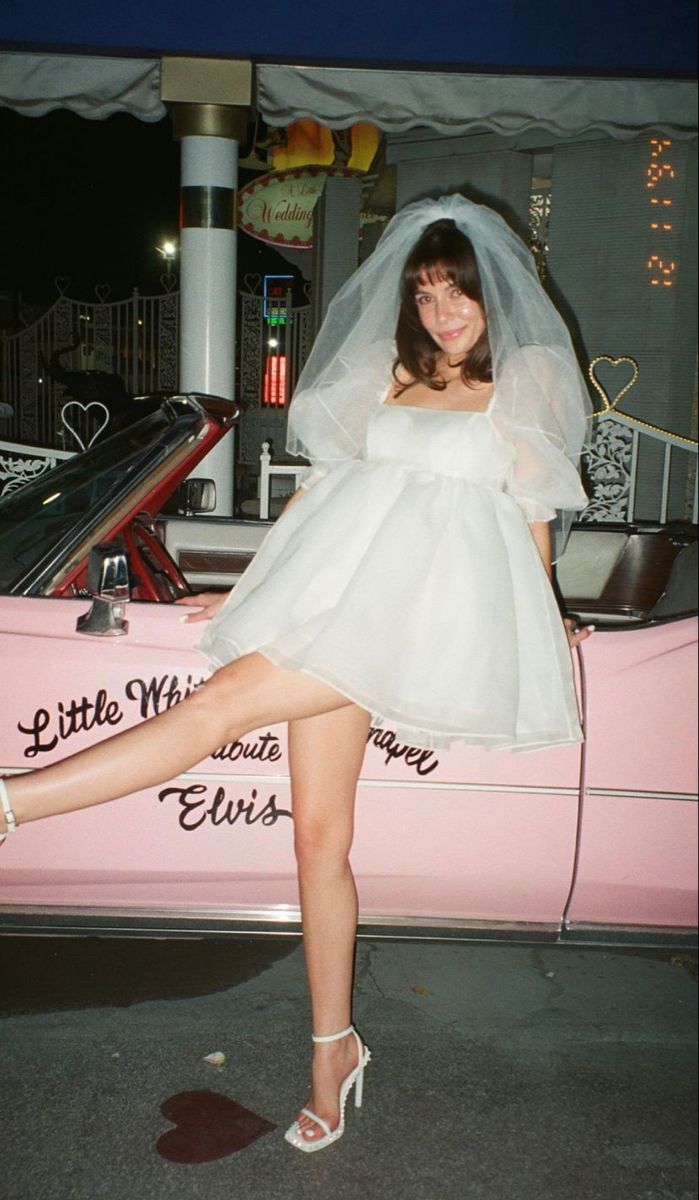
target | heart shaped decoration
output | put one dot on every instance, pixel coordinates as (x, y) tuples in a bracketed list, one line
[(168, 281), (95, 406), (62, 283), (252, 283), (207, 1126), (103, 292), (610, 404)]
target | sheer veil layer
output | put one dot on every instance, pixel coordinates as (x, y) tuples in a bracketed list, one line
[(541, 402)]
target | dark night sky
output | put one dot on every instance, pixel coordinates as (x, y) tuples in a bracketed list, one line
[(601, 36), (89, 201), (84, 199)]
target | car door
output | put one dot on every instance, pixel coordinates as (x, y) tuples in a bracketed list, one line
[(458, 838), (638, 835)]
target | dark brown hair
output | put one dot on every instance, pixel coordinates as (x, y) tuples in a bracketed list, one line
[(441, 252)]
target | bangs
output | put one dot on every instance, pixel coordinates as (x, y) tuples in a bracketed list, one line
[(433, 273), (442, 254)]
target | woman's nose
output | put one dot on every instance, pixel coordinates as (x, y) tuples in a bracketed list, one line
[(443, 310)]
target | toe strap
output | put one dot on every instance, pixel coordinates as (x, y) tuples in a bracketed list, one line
[(307, 1112), (7, 810)]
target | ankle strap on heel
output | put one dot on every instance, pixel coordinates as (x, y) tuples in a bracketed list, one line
[(7, 809), (333, 1037)]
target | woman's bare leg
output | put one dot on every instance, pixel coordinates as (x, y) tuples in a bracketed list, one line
[(243, 696), (325, 754)]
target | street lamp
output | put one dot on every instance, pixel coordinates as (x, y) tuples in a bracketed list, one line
[(168, 251)]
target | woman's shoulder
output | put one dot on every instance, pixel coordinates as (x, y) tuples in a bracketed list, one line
[(548, 366), (531, 355), (401, 376), (400, 380)]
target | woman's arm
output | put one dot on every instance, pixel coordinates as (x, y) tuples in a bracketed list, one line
[(541, 532), (293, 498), (210, 603)]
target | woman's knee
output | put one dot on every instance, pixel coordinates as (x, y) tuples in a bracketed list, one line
[(214, 701), (230, 682), (321, 844)]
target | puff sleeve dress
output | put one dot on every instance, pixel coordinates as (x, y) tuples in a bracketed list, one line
[(407, 578)]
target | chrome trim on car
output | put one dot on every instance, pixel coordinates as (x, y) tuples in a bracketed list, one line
[(181, 922), (643, 795), (441, 786), (408, 784), (430, 785)]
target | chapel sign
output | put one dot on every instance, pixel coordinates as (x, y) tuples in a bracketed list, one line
[(278, 208)]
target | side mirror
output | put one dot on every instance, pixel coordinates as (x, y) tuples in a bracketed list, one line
[(108, 582), (195, 496)]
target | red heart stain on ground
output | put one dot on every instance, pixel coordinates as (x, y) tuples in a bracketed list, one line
[(207, 1126)]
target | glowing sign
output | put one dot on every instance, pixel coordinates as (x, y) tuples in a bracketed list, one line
[(274, 302), (660, 175), (274, 393)]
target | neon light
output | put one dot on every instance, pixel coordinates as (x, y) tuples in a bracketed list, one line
[(274, 299), (660, 171), (274, 393), (660, 268)]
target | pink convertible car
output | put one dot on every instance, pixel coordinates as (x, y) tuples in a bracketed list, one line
[(576, 843)]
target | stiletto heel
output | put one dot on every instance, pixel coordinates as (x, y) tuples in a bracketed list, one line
[(355, 1077), (359, 1089), (7, 812)]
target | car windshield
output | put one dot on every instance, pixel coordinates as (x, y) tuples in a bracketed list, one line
[(35, 519)]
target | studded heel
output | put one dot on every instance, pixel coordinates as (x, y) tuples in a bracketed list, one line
[(355, 1079)]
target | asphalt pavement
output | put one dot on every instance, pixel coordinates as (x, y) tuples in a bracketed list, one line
[(500, 1072)]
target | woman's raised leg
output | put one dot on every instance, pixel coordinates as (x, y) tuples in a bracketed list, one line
[(325, 754), (242, 696)]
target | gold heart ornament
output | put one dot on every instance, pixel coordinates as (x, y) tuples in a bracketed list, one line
[(610, 405)]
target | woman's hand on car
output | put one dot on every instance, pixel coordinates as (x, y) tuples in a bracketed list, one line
[(209, 603), (576, 635)]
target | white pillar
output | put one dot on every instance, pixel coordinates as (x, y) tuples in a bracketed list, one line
[(209, 175), (209, 134), (208, 100)]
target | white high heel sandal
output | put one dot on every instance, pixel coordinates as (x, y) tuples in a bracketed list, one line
[(7, 811), (294, 1136)]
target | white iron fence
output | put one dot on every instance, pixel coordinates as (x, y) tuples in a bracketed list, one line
[(620, 447), (101, 351), (23, 464), (635, 470)]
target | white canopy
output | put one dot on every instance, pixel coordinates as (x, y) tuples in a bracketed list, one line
[(449, 103), (467, 103), (91, 86)]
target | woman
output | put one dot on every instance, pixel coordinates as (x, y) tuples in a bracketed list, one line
[(408, 582)]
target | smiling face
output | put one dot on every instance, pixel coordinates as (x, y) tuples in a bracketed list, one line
[(453, 320), (442, 312)]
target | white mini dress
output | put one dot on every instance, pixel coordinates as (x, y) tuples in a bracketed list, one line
[(408, 579)]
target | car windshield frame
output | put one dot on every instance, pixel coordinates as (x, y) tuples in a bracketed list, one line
[(43, 522)]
